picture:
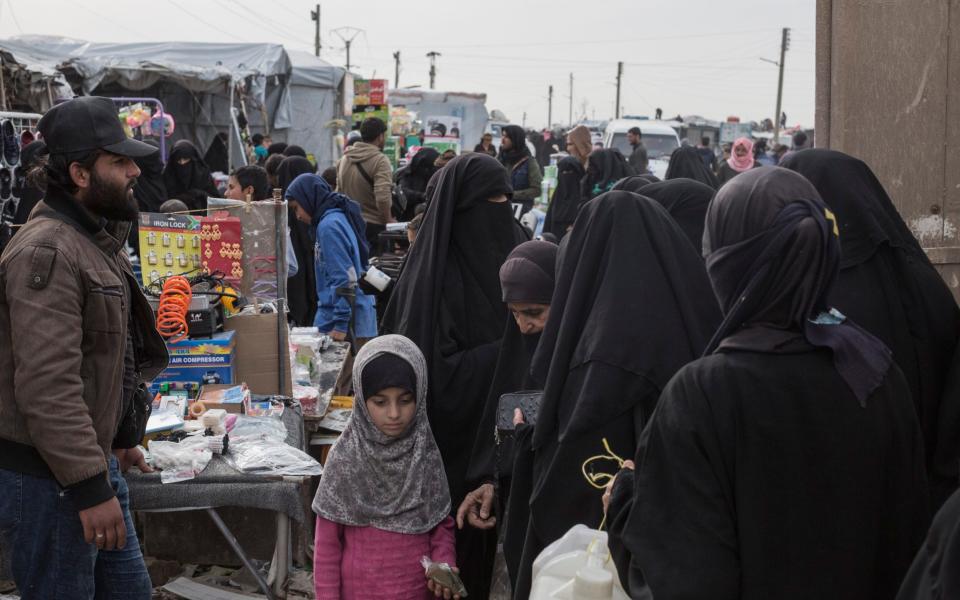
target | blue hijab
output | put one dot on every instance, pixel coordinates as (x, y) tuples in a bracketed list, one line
[(314, 195)]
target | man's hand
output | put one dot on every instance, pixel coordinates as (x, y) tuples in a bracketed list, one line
[(132, 457), (476, 507), (627, 464), (103, 525), (338, 336), (442, 592)]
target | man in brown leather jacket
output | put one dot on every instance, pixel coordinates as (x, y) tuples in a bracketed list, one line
[(76, 340)]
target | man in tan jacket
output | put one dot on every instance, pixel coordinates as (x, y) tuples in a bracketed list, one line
[(76, 341), (365, 176)]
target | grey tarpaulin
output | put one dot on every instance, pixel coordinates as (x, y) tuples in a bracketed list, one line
[(193, 80), (220, 485)]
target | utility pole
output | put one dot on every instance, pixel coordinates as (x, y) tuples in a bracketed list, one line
[(315, 16), (396, 70), (347, 35), (550, 107), (524, 122), (570, 116), (619, 77), (433, 67), (784, 46)]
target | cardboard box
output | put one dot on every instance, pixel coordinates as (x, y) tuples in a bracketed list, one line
[(258, 361), (201, 361), (209, 395)]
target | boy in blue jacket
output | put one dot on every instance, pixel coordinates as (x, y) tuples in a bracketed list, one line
[(341, 261)]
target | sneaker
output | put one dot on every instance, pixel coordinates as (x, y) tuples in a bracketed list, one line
[(19, 181), (11, 145), (6, 184)]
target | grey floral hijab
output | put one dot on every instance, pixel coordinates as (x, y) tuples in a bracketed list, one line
[(372, 480)]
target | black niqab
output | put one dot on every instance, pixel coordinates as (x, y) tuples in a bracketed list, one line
[(685, 199), (294, 150), (190, 181), (888, 286), (302, 287), (686, 163), (150, 189), (604, 169), (413, 179), (566, 199), (773, 254)]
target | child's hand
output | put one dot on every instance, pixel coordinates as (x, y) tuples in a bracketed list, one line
[(442, 592)]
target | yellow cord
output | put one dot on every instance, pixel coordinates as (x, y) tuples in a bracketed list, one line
[(600, 480)]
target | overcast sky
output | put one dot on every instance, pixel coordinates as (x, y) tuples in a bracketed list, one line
[(685, 56)]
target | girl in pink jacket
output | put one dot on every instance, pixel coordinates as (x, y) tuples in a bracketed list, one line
[(383, 501)]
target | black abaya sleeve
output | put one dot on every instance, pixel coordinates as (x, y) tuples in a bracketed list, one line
[(934, 574), (618, 512), (682, 499)]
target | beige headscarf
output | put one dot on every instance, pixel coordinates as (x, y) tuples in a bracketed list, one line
[(579, 138)]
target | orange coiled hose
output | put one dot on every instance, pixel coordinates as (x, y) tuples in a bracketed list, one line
[(174, 303)]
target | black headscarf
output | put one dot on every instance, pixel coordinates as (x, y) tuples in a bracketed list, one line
[(566, 199), (30, 194), (685, 162), (217, 156), (385, 371), (773, 254), (276, 148), (190, 181), (150, 190), (888, 286), (413, 179), (302, 287), (447, 301), (528, 273), (632, 305), (685, 199), (294, 150), (604, 169), (519, 140), (865, 214)]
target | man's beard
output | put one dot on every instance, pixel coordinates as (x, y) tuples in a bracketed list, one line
[(111, 201)]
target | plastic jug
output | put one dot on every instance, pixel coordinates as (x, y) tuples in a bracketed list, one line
[(577, 567)]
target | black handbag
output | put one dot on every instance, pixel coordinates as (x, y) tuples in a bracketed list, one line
[(527, 401), (133, 423)]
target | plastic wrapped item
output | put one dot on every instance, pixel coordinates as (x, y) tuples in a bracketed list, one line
[(309, 399), (442, 574), (579, 566), (258, 446), (180, 461)]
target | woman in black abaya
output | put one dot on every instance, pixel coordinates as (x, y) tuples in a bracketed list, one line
[(413, 180), (632, 305), (448, 301), (685, 199), (187, 176), (685, 162), (934, 574), (787, 462), (889, 287), (604, 169), (302, 287)]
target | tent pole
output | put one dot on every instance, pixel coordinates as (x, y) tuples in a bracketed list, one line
[(3, 90), (230, 141)]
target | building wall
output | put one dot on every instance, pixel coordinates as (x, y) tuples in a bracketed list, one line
[(888, 92)]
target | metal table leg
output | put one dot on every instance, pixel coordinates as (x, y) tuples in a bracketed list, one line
[(228, 535), (281, 555)]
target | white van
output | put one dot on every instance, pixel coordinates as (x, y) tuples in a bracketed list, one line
[(658, 138)]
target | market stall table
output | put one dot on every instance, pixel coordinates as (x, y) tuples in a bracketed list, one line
[(220, 485)]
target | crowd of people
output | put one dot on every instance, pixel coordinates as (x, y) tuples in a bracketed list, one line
[(764, 355)]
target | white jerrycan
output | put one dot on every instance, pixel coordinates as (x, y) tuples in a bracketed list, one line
[(577, 567)]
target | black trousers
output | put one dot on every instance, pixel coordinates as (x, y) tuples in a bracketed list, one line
[(373, 232)]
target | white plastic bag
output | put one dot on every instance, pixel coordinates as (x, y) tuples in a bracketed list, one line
[(577, 566), (180, 461)]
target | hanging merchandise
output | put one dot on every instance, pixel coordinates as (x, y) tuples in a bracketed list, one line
[(260, 260), (169, 245), (221, 246)]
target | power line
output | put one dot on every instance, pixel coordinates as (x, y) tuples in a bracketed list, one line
[(13, 15), (205, 22)]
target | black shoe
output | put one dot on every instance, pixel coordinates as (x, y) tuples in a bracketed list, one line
[(6, 184), (11, 145), (19, 181)]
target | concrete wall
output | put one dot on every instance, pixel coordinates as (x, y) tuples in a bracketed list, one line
[(888, 92)]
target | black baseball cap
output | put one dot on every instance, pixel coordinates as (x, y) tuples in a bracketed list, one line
[(88, 123)]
